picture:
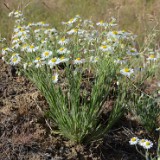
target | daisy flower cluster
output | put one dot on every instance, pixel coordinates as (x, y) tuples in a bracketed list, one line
[(82, 41), (145, 143)]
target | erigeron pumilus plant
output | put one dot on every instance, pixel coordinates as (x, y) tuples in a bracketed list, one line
[(145, 145), (77, 70)]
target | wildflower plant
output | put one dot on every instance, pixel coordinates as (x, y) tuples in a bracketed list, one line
[(143, 146), (76, 70)]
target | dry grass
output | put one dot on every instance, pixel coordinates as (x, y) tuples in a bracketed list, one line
[(137, 16)]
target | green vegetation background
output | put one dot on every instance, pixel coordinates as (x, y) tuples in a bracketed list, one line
[(137, 16)]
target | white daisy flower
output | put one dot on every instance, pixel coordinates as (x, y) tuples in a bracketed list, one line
[(148, 144), (55, 78), (39, 64), (72, 31), (38, 59), (105, 42), (15, 59), (101, 23), (133, 141), (20, 33), (15, 40), (113, 35), (152, 57), (42, 24), (53, 31), (105, 48), (63, 41), (81, 32), (63, 50), (88, 23), (18, 15), (52, 62), (30, 64), (31, 24), (141, 142), (37, 30), (112, 24), (17, 45), (72, 20), (132, 52), (43, 42), (6, 50), (14, 54), (127, 71), (46, 54), (62, 59), (50, 31), (11, 14), (24, 47), (21, 28), (32, 48), (23, 38), (78, 61)]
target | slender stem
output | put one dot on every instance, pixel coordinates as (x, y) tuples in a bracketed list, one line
[(140, 152)]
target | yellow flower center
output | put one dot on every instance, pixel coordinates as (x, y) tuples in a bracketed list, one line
[(53, 60), (75, 30), (143, 140), (132, 50), (133, 139), (31, 46), (148, 143), (13, 54), (53, 77), (152, 56), (71, 20), (78, 59), (61, 49), (15, 59), (62, 58), (38, 58), (21, 29), (126, 69), (63, 39), (115, 32), (104, 47), (46, 53)]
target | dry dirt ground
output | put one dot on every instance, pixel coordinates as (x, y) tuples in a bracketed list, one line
[(25, 132)]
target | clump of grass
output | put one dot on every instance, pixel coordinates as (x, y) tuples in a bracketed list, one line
[(78, 69)]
